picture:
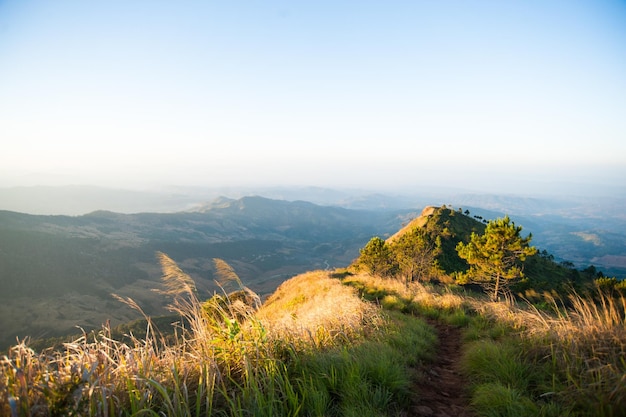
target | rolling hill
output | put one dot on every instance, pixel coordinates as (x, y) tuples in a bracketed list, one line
[(449, 227)]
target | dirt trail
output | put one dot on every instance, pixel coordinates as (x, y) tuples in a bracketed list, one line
[(441, 390)]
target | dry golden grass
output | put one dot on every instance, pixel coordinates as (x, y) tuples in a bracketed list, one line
[(314, 308), (585, 321), (589, 347), (518, 317), (82, 376), (97, 375), (415, 292), (230, 347)]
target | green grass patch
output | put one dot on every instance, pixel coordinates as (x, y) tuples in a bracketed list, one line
[(480, 327), (488, 361), (411, 337), (393, 302), (457, 317), (349, 381), (497, 400), (371, 378)]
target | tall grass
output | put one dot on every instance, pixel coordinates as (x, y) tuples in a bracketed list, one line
[(588, 352), (319, 346), (570, 360), (415, 297), (97, 375), (229, 356)]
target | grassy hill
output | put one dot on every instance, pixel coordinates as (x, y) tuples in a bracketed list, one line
[(449, 226)]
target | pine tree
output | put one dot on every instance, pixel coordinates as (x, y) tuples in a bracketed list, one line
[(497, 256)]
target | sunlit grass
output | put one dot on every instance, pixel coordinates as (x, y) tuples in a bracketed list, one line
[(587, 347), (568, 358), (370, 377), (227, 357), (328, 346), (313, 309), (574, 352), (414, 297)]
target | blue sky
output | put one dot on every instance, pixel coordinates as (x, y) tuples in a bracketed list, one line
[(478, 94)]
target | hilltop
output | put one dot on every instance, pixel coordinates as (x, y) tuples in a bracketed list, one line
[(419, 221), (445, 227)]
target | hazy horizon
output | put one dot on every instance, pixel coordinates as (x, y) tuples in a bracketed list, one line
[(524, 97)]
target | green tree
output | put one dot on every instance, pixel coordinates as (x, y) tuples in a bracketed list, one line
[(415, 253), (495, 257), (376, 257)]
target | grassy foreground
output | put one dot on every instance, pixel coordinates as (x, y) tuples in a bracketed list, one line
[(315, 348), (330, 345), (565, 360)]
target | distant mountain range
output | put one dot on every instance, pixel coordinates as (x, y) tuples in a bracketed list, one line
[(79, 199), (82, 199)]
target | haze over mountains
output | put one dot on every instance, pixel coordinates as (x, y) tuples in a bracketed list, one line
[(58, 271), (585, 225), (587, 200)]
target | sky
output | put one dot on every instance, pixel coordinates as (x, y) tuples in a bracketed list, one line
[(381, 94)]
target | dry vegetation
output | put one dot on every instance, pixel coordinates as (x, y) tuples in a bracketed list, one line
[(577, 350), (225, 358), (422, 296), (313, 309), (321, 345), (569, 359)]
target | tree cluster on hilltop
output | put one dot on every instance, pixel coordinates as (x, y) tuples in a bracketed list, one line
[(412, 257), (450, 246)]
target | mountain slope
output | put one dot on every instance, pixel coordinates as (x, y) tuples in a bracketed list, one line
[(59, 271)]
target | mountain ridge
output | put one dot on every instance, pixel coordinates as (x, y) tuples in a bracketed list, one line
[(418, 221)]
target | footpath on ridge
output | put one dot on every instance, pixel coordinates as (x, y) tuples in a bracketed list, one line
[(440, 392)]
